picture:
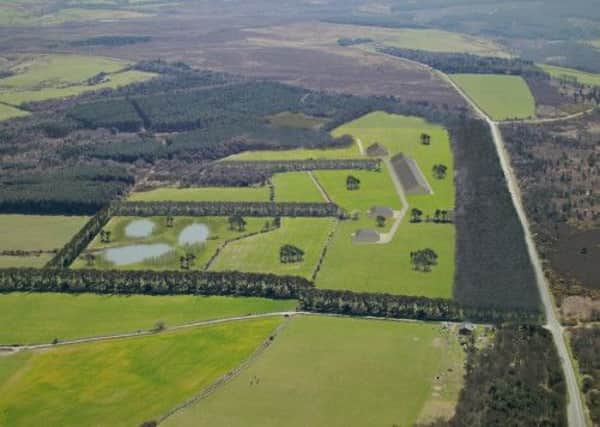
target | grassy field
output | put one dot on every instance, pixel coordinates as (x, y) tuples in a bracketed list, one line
[(295, 120), (261, 253), (218, 232), (8, 112), (376, 189), (386, 267), (201, 194), (34, 318), (19, 15), (24, 261), (41, 77), (581, 76), (295, 187), (401, 134), (340, 372), (502, 97), (35, 232), (123, 382), (300, 154)]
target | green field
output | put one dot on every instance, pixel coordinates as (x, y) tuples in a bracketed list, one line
[(299, 154), (123, 382), (340, 372), (438, 41), (581, 76), (35, 233), (201, 194), (33, 317), (296, 187), (502, 97), (386, 267), (261, 253), (218, 232), (401, 134), (8, 112), (41, 77), (19, 15)]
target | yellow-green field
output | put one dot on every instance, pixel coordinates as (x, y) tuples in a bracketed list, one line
[(340, 372), (592, 79), (9, 112), (35, 233), (30, 318), (42, 77), (123, 382), (296, 187), (12, 14), (260, 253), (350, 152), (202, 194), (161, 234), (386, 267), (501, 97)]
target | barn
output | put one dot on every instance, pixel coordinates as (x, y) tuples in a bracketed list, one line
[(365, 236), (410, 175)]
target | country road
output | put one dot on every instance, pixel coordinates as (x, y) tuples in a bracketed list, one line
[(575, 408)]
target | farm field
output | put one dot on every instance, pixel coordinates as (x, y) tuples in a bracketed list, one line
[(502, 97), (33, 318), (401, 134), (386, 267), (323, 371), (350, 152), (260, 253), (42, 77), (9, 112), (296, 187), (102, 383), (13, 15), (35, 233), (147, 243), (201, 194), (581, 76)]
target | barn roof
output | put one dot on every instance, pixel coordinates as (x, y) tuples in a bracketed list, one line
[(366, 235), (381, 211), (410, 175)]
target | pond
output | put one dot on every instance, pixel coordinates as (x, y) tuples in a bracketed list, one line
[(193, 234), (135, 253), (139, 228)]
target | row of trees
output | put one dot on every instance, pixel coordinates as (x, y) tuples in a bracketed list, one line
[(260, 209), (152, 282), (467, 63), (290, 254), (405, 307), (439, 216)]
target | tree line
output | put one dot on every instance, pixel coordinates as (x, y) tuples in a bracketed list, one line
[(152, 282)]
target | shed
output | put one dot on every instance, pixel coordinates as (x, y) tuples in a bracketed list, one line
[(383, 211), (466, 328), (377, 150), (365, 236)]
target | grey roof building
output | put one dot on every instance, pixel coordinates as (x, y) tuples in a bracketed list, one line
[(410, 175), (365, 236), (381, 211)]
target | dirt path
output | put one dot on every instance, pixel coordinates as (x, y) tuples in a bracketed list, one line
[(6, 350), (548, 120), (575, 411), (385, 238), (320, 187), (361, 147)]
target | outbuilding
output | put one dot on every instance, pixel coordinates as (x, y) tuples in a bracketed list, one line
[(383, 211), (365, 236)]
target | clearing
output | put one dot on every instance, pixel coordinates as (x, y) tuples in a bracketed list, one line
[(149, 243), (9, 112), (260, 253), (502, 97), (296, 187), (32, 318), (591, 79), (42, 77), (323, 371), (101, 383), (36, 235)]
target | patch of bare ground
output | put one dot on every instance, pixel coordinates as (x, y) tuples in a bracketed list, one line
[(580, 309)]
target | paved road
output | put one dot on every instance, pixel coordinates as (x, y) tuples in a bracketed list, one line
[(575, 408)]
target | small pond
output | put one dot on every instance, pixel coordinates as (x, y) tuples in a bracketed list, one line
[(193, 234), (135, 253), (139, 228)]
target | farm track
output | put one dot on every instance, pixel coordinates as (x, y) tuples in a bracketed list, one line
[(575, 408), (319, 187), (385, 238)]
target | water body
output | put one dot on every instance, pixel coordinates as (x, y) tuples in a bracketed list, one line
[(193, 234), (139, 228), (136, 253)]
